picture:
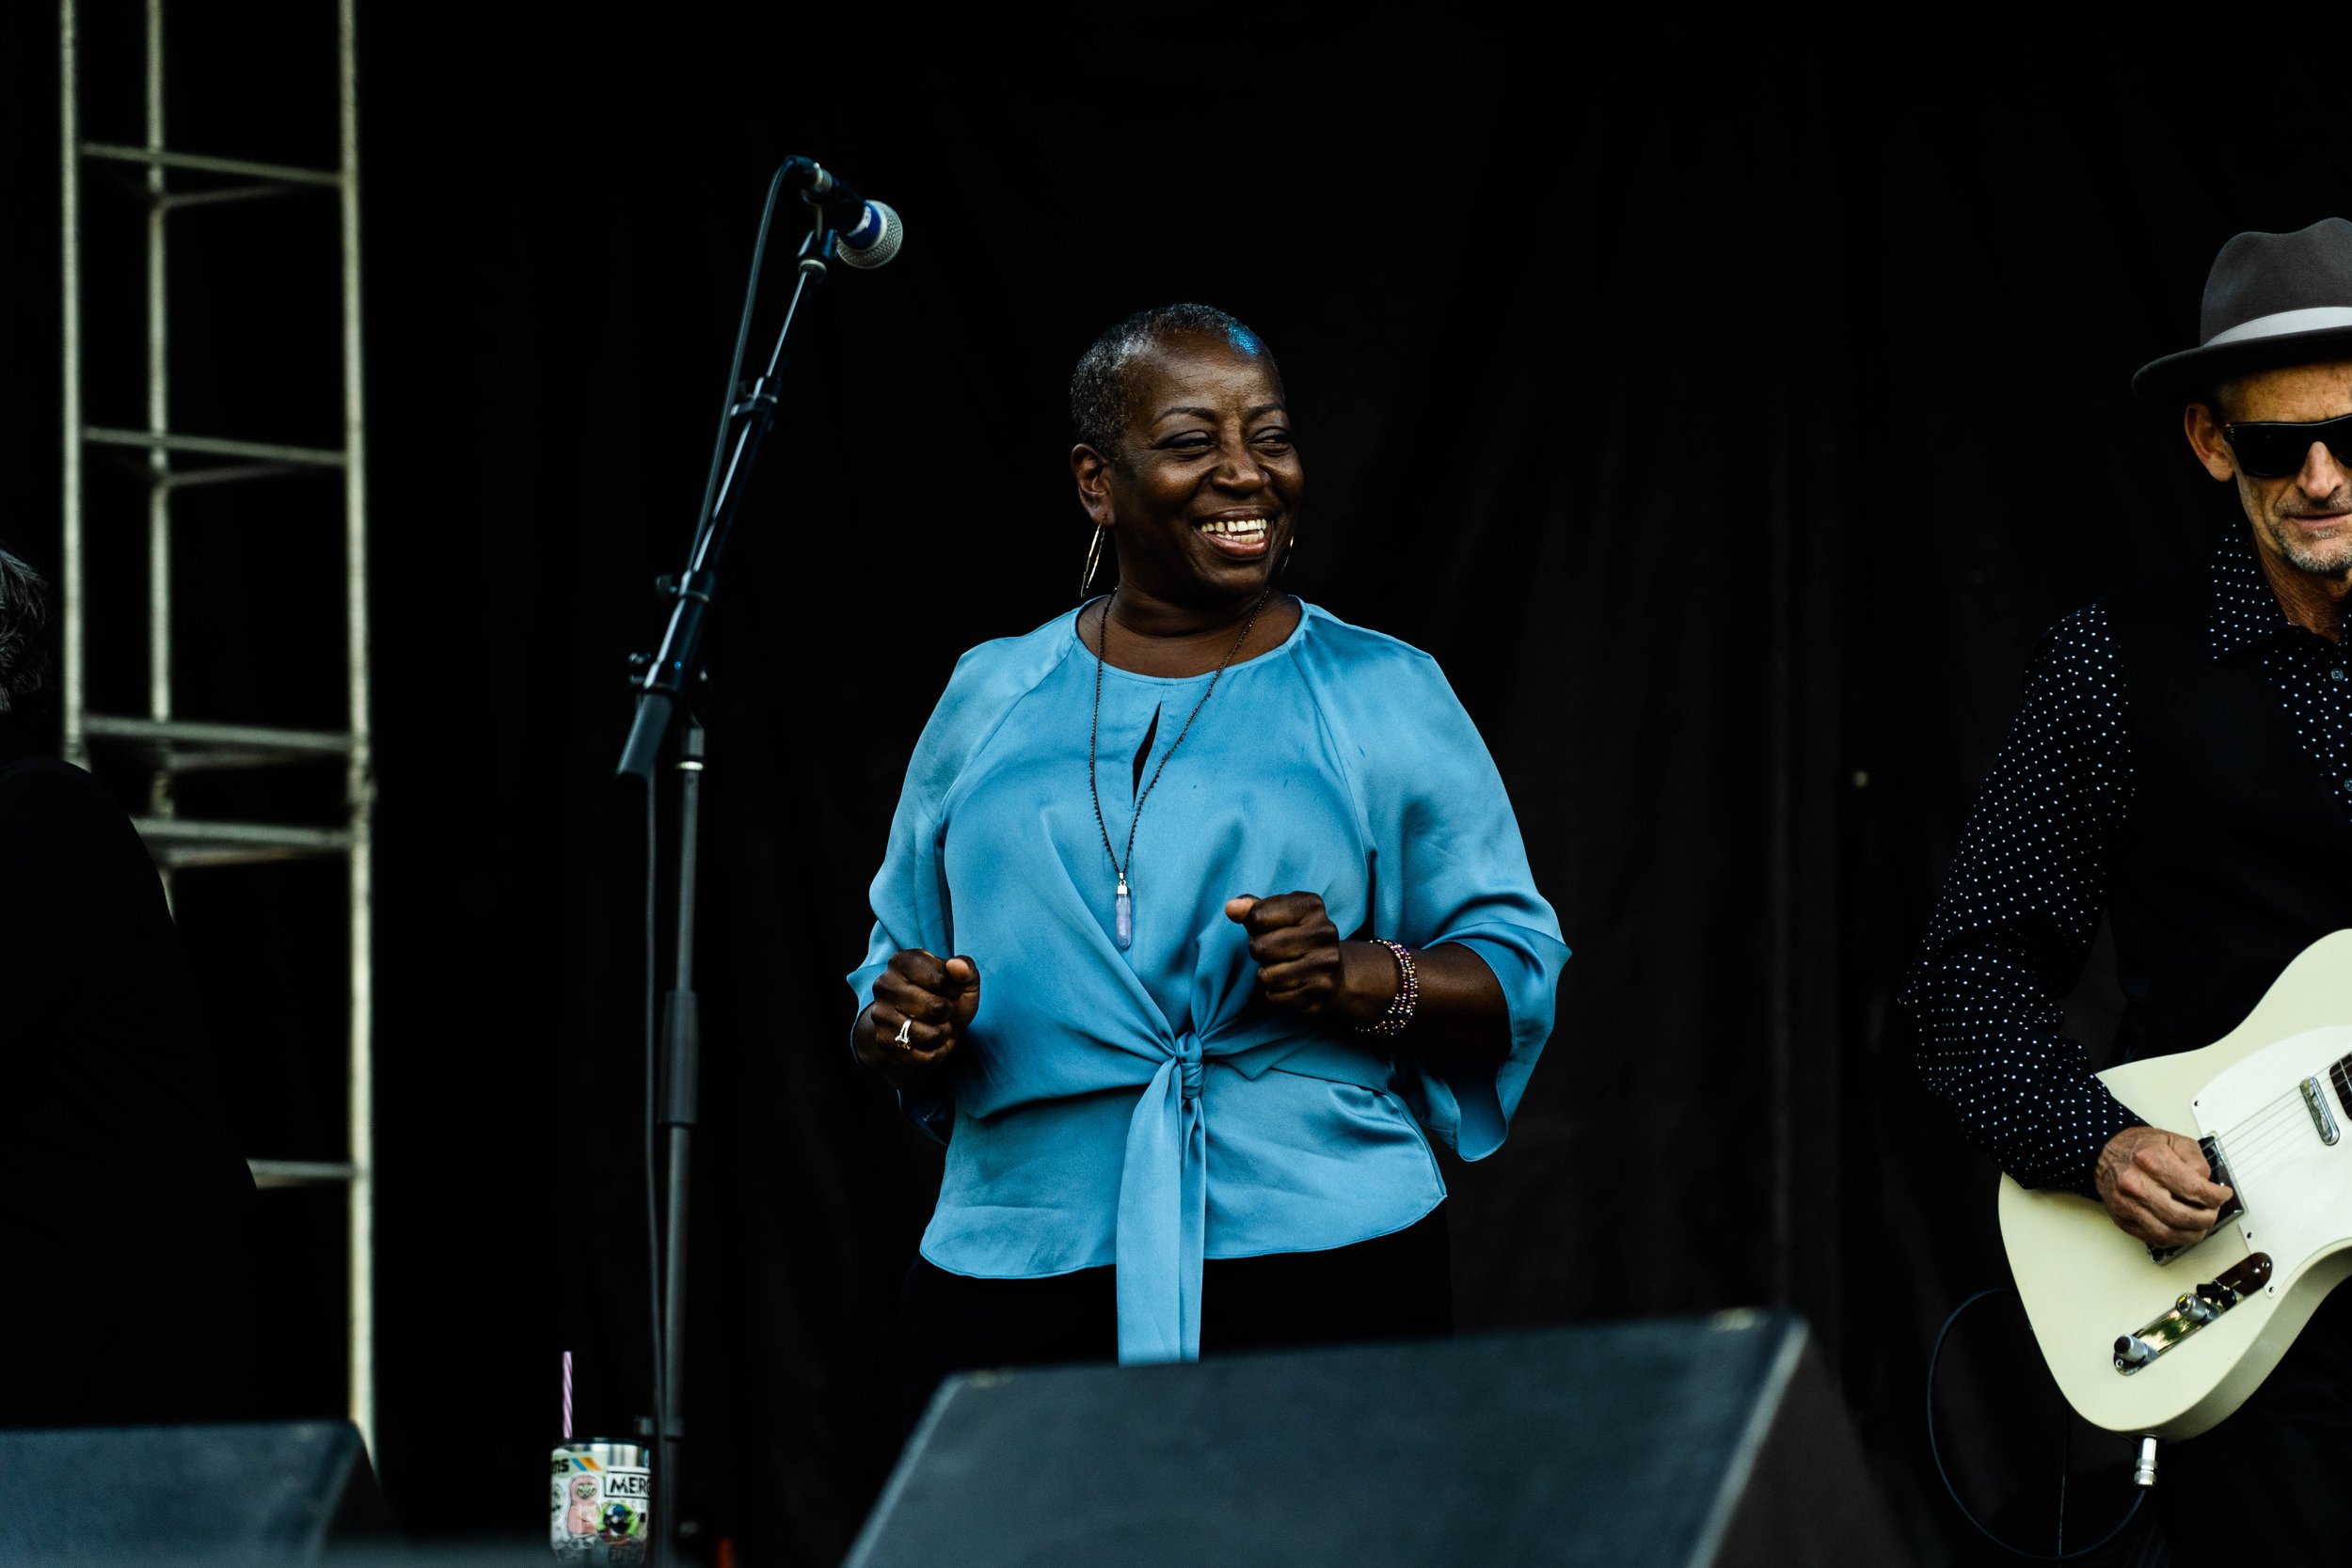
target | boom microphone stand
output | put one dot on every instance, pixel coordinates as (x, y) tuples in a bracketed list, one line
[(668, 678)]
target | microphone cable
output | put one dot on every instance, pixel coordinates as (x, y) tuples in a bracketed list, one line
[(1935, 1452)]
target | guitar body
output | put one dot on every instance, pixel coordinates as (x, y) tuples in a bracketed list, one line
[(2085, 1283)]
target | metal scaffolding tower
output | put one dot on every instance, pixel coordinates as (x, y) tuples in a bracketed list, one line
[(172, 747)]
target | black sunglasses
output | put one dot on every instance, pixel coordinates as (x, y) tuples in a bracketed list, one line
[(2277, 450)]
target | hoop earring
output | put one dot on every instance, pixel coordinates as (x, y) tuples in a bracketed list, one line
[(1288, 550), (1094, 560)]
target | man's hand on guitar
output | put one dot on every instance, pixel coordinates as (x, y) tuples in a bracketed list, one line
[(2157, 1186)]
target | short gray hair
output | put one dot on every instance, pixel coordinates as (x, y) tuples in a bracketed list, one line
[(1100, 401), (23, 633)]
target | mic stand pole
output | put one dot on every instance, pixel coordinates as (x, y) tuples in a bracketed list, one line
[(681, 1047), (669, 676)]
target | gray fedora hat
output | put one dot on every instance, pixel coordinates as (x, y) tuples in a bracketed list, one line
[(2270, 300)]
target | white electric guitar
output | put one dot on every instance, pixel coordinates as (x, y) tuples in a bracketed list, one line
[(2169, 1344)]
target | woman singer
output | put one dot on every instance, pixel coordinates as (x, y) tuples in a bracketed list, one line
[(1202, 912)]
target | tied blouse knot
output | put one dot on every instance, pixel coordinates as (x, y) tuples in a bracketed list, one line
[(1147, 1107)]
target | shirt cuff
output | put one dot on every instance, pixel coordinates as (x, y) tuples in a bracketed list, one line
[(934, 1116)]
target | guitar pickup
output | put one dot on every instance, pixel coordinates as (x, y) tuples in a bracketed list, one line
[(2201, 1306)]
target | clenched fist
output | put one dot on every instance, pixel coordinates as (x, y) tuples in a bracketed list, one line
[(2157, 1186), (929, 1001), (1303, 966)]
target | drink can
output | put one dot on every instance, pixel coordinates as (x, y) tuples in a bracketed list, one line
[(600, 1503)]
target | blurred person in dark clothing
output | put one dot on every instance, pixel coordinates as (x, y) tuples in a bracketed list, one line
[(122, 1199)]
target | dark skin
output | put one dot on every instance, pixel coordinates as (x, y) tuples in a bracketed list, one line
[(2156, 1184), (1201, 497)]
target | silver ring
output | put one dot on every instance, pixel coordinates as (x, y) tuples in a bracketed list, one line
[(906, 1027)]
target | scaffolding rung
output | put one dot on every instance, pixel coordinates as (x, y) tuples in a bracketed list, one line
[(287, 174), (230, 473), (301, 1173), (177, 199), (212, 446), (179, 841), (198, 859), (184, 745)]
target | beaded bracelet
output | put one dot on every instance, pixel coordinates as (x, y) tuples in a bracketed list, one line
[(1400, 1011)]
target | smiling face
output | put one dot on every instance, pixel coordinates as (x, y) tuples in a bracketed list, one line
[(2302, 522), (1203, 490)]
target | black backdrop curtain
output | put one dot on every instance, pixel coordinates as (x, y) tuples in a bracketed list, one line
[(1729, 448)]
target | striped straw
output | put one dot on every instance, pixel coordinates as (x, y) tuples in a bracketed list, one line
[(568, 1396)]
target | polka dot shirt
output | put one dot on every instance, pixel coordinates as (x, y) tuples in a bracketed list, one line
[(2019, 911)]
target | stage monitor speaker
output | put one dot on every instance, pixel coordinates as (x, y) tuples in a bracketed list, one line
[(275, 1494), (1689, 1442)]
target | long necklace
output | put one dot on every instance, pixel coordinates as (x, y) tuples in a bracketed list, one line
[(1123, 928)]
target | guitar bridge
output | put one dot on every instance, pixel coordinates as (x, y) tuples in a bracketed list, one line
[(2192, 1312)]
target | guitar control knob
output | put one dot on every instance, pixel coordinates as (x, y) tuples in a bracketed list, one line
[(2196, 1308), (2132, 1351)]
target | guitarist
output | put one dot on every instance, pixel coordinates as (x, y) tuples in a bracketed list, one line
[(2183, 764)]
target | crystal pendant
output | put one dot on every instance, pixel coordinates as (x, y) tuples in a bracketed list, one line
[(1124, 928)]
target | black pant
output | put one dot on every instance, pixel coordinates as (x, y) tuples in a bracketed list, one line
[(2273, 1483), (1394, 1286)]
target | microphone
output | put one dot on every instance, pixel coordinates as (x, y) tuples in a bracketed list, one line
[(868, 232)]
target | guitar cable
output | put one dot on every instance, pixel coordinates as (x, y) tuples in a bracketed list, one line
[(1935, 1451)]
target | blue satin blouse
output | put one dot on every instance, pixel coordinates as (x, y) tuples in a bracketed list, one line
[(1146, 1107)]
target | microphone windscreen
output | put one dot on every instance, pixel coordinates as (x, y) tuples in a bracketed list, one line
[(875, 240)]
